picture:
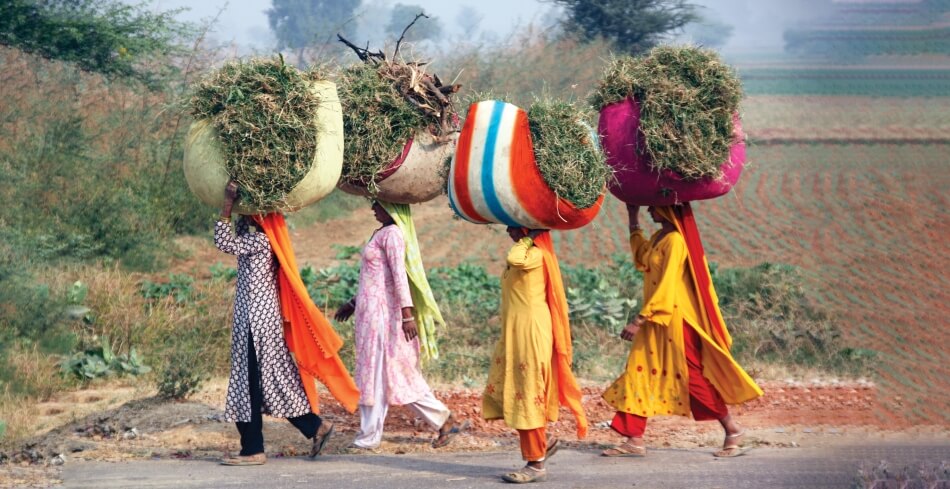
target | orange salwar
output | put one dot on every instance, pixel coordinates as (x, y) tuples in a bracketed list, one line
[(534, 444), (704, 400)]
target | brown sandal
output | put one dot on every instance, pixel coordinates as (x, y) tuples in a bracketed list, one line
[(733, 449), (446, 435), (625, 449), (243, 460), (525, 475), (551, 448), (320, 441)]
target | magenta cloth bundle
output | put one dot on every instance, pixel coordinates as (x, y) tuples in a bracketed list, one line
[(636, 182)]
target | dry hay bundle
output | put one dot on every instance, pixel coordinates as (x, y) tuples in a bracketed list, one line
[(264, 116), (567, 152), (386, 104), (687, 98)]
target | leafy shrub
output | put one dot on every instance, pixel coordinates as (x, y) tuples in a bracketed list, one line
[(222, 273), (772, 319), (28, 310), (469, 287), (331, 287), (103, 362), (180, 378), (179, 286)]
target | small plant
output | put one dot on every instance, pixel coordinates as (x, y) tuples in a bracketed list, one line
[(103, 362), (332, 286), (181, 377), (179, 286), (222, 273), (345, 252)]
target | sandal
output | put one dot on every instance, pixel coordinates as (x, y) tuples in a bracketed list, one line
[(625, 449), (551, 448), (733, 449), (242, 460), (320, 441), (445, 436), (525, 475)]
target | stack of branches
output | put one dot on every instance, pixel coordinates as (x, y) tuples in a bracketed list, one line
[(385, 102), (567, 152), (263, 112), (687, 99)]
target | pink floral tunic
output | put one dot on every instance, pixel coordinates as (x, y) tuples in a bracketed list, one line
[(383, 292)]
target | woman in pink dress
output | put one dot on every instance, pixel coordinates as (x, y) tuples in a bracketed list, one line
[(387, 344)]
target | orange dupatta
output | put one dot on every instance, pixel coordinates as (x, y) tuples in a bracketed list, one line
[(308, 334), (569, 393)]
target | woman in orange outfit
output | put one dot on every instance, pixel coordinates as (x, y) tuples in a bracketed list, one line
[(680, 362), (530, 373)]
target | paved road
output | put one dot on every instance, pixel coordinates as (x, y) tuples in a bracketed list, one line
[(826, 467)]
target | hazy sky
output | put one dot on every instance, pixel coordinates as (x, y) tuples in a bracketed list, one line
[(758, 24)]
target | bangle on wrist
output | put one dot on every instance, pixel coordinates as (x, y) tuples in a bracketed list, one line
[(408, 319)]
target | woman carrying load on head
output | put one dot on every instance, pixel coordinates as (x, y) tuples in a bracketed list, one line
[(530, 373), (680, 361), (393, 301), (273, 317)]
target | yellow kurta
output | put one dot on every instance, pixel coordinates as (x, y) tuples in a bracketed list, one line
[(656, 378), (521, 388)]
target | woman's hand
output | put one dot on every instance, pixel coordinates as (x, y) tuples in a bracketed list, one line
[(631, 329), (633, 217), (409, 329), (345, 311), (230, 197)]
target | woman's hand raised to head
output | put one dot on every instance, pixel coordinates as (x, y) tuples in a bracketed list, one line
[(230, 196), (231, 192), (633, 216)]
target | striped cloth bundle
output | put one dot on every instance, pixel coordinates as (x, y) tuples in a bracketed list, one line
[(494, 177)]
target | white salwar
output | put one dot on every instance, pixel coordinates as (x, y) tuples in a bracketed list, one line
[(372, 417)]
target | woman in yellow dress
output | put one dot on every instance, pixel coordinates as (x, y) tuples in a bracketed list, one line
[(680, 362), (530, 373)]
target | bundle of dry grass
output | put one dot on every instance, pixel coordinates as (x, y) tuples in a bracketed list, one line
[(687, 98), (385, 102), (566, 151), (263, 112)]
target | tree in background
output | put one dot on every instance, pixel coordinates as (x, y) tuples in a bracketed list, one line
[(631, 26), (299, 24), (468, 20), (102, 36), (425, 28), (709, 32)]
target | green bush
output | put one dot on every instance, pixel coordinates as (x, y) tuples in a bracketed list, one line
[(181, 377), (772, 319), (29, 310), (92, 169), (103, 362), (179, 286)]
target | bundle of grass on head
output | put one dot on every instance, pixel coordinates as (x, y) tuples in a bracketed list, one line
[(567, 154), (687, 99), (263, 113), (385, 102)]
